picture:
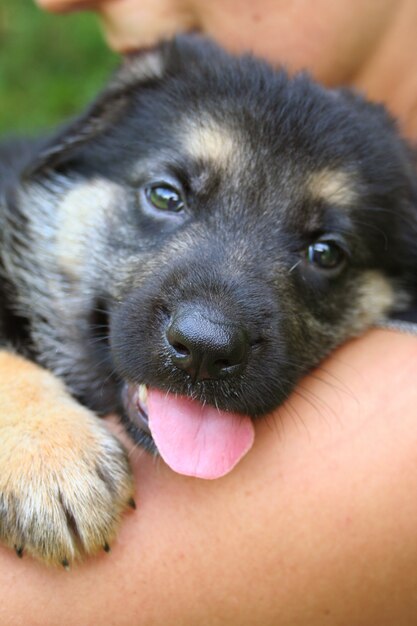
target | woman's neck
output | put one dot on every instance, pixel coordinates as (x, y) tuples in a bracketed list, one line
[(389, 74)]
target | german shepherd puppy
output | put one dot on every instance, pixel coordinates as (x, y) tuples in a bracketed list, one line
[(182, 254)]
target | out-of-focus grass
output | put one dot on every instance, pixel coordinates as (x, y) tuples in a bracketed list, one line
[(50, 66)]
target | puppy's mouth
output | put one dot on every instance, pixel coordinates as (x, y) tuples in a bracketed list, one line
[(193, 439)]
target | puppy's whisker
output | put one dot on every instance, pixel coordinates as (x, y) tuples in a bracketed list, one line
[(294, 266), (103, 339), (335, 382)]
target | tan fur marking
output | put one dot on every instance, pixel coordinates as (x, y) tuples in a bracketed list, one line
[(376, 297), (333, 187), (56, 458), (209, 142), (79, 213)]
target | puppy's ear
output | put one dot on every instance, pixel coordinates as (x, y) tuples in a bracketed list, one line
[(136, 72)]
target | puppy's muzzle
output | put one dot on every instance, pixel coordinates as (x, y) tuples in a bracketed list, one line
[(205, 344)]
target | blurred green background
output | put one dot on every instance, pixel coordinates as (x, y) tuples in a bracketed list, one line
[(50, 66)]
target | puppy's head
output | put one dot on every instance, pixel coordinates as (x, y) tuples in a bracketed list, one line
[(231, 224)]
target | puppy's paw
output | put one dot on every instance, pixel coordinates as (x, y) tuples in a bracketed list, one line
[(64, 479)]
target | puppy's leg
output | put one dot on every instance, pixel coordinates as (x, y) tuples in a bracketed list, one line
[(64, 479)]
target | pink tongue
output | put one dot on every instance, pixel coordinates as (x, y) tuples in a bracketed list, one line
[(197, 440)]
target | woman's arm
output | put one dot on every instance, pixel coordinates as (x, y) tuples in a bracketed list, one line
[(317, 525)]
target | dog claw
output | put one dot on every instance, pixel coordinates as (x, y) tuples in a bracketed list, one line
[(106, 547), (65, 564), (132, 504), (19, 551)]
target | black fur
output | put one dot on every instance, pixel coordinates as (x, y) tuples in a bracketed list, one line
[(239, 246)]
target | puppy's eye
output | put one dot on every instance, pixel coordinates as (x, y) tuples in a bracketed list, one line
[(326, 255), (164, 198)]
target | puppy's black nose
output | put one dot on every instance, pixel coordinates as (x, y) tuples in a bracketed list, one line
[(205, 344)]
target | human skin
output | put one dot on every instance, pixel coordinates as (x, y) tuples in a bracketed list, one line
[(317, 524)]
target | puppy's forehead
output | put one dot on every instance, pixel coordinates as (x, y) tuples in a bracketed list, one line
[(225, 147), (204, 138)]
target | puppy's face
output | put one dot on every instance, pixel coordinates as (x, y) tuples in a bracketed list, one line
[(230, 226)]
